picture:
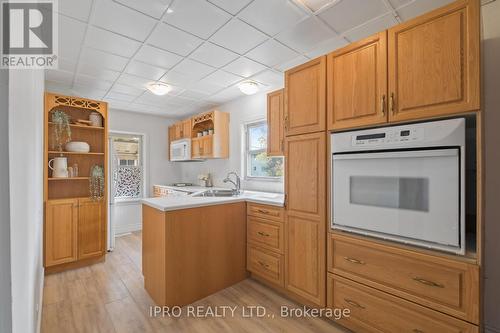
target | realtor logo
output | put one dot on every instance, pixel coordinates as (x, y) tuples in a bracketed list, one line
[(29, 37)]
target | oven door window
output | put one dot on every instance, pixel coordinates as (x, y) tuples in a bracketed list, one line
[(408, 194)]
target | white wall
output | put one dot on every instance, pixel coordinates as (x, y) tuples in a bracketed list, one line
[(26, 196), (5, 286), (159, 170), (243, 110), (491, 84)]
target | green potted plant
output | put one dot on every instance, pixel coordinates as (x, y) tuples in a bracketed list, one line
[(96, 182), (62, 129)]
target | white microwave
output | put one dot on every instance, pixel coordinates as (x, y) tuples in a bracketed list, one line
[(180, 150), (402, 183)]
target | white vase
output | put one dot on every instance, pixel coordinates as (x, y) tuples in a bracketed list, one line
[(77, 147), (95, 119), (59, 167)]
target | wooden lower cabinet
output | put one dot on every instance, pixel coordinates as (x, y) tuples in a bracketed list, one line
[(61, 231), (375, 311), (91, 229), (75, 229), (266, 265), (449, 286)]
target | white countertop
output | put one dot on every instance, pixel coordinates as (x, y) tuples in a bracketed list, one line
[(175, 202)]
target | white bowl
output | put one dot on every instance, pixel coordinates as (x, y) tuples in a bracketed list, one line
[(77, 147)]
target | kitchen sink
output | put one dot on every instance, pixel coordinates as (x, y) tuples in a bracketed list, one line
[(216, 193)]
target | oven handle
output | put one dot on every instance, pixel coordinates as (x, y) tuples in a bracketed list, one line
[(399, 154)]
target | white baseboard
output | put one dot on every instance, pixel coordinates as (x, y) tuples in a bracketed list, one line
[(127, 228), (40, 301)]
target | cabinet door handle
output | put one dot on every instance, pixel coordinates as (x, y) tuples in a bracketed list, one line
[(353, 303), (391, 104), (382, 105), (416, 330), (354, 261), (427, 282), (263, 264), (282, 146), (286, 122), (263, 234), (263, 211)]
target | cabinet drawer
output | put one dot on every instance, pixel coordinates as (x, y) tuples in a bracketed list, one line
[(442, 284), (266, 211), (266, 265), (375, 311), (265, 233)]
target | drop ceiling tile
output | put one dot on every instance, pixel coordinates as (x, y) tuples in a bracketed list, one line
[(88, 91), (226, 95), (198, 17), (272, 16), (103, 59), (117, 104), (398, 3), (193, 69), (155, 56), (416, 8), (192, 94), (270, 78), (121, 97), (153, 8), (213, 55), (110, 42), (222, 78), (346, 15), (244, 67), (306, 35), (57, 87), (291, 63), (123, 89), (327, 47), (205, 87), (78, 9), (177, 79), (66, 65), (371, 28), (89, 81), (231, 6), (122, 20), (97, 72), (238, 37), (71, 34), (174, 40), (141, 69), (271, 53), (133, 81), (59, 76)]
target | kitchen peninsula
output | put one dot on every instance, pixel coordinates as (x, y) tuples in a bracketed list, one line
[(194, 245)]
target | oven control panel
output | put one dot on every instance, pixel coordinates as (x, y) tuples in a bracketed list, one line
[(389, 136)]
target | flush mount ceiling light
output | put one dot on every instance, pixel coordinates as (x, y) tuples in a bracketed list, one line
[(158, 88), (248, 87), (316, 5)]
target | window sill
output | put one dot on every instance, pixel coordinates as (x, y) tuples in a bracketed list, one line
[(263, 179)]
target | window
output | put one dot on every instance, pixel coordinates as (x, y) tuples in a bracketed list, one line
[(258, 164), (127, 166)]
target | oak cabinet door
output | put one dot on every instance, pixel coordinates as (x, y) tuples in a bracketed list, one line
[(357, 83), (305, 229), (61, 223), (186, 129), (207, 146), (275, 119), (91, 228), (196, 148), (305, 98), (434, 63)]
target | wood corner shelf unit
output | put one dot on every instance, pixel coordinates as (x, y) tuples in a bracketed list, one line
[(74, 225)]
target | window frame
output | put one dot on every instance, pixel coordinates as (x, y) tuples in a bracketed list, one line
[(247, 152), (141, 164)]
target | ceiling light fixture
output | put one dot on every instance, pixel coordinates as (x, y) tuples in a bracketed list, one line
[(159, 88), (170, 11), (248, 87)]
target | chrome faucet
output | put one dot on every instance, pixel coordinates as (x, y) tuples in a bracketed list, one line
[(236, 184)]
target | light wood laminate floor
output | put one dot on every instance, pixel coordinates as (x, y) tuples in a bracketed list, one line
[(110, 297)]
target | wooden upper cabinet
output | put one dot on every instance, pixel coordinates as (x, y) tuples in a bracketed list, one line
[(91, 228), (305, 230), (305, 98), (61, 225), (434, 63), (275, 125), (357, 83), (186, 128)]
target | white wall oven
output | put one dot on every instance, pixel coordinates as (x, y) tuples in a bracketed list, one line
[(402, 183)]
